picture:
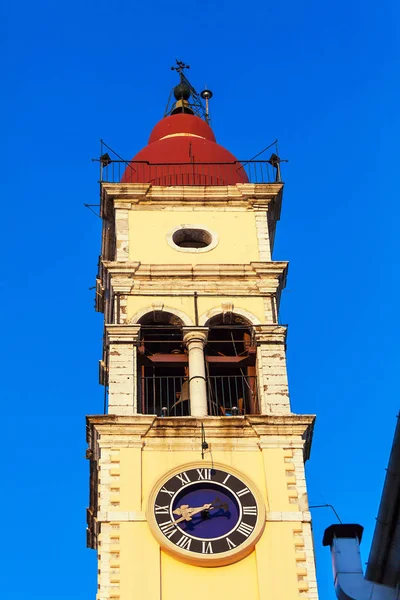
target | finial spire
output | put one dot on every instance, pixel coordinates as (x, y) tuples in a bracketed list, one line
[(180, 66), (187, 100)]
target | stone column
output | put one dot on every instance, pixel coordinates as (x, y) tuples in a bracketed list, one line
[(121, 343), (195, 339)]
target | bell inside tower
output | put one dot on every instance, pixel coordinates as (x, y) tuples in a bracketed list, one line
[(163, 366), (231, 366), (163, 387)]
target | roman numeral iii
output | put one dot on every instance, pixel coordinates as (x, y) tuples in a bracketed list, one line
[(250, 510)]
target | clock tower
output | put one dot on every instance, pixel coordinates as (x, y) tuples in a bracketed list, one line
[(197, 485)]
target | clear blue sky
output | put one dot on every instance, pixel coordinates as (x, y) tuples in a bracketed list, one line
[(320, 76)]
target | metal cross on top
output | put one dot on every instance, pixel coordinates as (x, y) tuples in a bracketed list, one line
[(180, 66)]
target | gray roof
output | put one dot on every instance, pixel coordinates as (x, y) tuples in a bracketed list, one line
[(384, 558)]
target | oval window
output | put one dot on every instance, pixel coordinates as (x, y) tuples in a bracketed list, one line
[(192, 238)]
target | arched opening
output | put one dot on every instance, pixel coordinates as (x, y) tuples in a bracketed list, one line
[(231, 366), (163, 366)]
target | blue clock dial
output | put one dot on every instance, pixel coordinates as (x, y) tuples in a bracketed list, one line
[(206, 511), (221, 516)]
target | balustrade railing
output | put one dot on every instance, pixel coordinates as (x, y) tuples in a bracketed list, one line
[(195, 173), (227, 395)]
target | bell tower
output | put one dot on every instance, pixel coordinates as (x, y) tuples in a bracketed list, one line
[(197, 485)]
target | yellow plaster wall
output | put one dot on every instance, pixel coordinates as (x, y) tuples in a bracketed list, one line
[(130, 495), (156, 464), (277, 480), (268, 572), (147, 572), (236, 230), (236, 582), (136, 304), (267, 469), (276, 562), (139, 566)]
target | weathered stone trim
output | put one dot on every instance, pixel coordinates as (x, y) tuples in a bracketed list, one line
[(122, 373), (122, 235), (245, 194), (271, 369), (264, 245), (108, 545)]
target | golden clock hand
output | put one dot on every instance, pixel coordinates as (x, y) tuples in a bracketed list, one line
[(187, 512)]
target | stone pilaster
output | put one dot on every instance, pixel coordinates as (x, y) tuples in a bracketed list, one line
[(122, 235), (264, 244), (271, 369), (122, 370)]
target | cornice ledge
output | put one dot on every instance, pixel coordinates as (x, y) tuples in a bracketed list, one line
[(149, 425), (257, 195), (271, 268), (289, 420), (116, 333), (241, 192), (120, 268), (271, 333), (130, 192), (285, 425), (262, 270)]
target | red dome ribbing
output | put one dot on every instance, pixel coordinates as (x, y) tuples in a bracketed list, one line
[(182, 151)]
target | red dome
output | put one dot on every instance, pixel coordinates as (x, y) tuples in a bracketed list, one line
[(183, 124), (182, 151)]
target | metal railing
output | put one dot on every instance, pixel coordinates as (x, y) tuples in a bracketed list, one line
[(227, 395), (189, 173), (232, 394), (163, 396)]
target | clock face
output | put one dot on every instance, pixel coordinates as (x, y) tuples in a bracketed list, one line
[(206, 514)]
